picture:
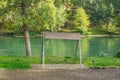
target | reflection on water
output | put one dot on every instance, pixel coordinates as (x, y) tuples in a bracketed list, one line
[(91, 46), (97, 46)]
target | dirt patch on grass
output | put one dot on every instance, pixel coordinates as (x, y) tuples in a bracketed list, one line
[(85, 74)]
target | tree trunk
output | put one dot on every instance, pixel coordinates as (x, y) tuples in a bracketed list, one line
[(27, 40), (25, 27)]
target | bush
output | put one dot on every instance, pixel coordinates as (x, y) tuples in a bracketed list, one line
[(118, 55)]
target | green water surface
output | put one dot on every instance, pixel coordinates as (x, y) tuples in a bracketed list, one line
[(90, 46)]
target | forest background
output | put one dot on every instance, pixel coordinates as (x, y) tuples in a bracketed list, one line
[(83, 16)]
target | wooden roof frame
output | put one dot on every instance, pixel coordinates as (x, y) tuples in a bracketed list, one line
[(62, 35)]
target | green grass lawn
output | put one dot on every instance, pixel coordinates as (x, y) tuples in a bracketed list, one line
[(12, 62), (102, 62), (7, 62)]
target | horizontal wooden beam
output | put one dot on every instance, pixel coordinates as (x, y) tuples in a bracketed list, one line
[(62, 35)]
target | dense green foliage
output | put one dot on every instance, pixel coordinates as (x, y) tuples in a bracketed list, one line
[(118, 55), (12, 62), (55, 15), (81, 21)]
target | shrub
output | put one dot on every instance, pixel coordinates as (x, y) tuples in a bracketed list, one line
[(118, 55)]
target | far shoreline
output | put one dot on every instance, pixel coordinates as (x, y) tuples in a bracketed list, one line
[(103, 35), (91, 35)]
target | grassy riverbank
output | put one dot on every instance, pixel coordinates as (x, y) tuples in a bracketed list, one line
[(7, 62), (102, 62)]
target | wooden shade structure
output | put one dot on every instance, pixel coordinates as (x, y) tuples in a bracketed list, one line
[(60, 35)]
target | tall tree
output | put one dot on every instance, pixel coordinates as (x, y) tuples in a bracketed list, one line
[(47, 15), (29, 13), (17, 13), (117, 20), (60, 17), (81, 20), (25, 27)]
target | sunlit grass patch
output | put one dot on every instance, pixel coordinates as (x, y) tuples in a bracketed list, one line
[(14, 62)]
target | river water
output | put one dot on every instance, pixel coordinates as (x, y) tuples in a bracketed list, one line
[(90, 46)]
